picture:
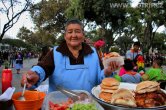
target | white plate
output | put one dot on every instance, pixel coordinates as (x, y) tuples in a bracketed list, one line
[(96, 91)]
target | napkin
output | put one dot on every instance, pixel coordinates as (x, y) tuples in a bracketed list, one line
[(7, 95), (42, 88)]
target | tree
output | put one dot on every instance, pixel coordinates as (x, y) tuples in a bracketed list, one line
[(159, 42), (37, 38), (16, 43), (143, 21), (152, 18), (127, 42), (49, 16), (12, 14), (24, 34)]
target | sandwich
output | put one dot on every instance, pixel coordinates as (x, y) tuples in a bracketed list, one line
[(112, 54), (147, 86), (123, 97), (148, 94), (106, 96), (108, 86)]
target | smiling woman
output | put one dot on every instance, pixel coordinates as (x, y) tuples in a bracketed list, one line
[(73, 64)]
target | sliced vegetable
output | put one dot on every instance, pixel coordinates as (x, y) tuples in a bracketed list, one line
[(78, 106)]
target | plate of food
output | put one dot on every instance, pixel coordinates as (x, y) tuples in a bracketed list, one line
[(58, 101), (146, 95)]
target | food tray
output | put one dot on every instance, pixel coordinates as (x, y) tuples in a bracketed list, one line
[(58, 97), (96, 91)]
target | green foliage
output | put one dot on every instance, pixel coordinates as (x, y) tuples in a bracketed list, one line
[(126, 23), (124, 43), (49, 15), (75, 9), (16, 43), (159, 42), (24, 34), (114, 49)]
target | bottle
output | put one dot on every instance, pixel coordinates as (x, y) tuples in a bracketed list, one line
[(6, 79)]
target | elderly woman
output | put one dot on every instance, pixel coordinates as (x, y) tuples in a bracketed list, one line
[(73, 64)]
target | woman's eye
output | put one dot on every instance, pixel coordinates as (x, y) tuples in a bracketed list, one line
[(77, 31), (69, 32)]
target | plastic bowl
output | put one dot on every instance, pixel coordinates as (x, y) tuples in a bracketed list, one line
[(58, 97), (34, 100)]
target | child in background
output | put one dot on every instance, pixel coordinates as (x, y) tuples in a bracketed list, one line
[(122, 71), (155, 73), (130, 75)]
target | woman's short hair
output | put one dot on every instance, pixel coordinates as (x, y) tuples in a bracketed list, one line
[(74, 21)]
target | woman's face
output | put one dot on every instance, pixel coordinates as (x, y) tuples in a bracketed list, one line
[(74, 35)]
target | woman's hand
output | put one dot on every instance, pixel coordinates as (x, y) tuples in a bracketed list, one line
[(30, 78), (111, 68)]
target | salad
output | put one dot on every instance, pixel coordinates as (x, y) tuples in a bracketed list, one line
[(69, 105)]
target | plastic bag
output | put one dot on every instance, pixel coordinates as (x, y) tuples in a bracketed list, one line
[(119, 60)]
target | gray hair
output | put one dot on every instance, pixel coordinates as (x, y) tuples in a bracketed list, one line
[(74, 21)]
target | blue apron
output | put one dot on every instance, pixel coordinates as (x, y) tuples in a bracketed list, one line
[(79, 77)]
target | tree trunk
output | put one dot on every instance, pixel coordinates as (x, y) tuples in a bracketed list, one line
[(2, 34), (148, 36), (109, 40)]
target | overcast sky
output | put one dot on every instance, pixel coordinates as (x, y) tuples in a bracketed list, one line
[(26, 21)]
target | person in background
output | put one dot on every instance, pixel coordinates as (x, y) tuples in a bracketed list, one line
[(122, 71), (73, 64), (134, 51), (11, 59), (18, 62), (155, 73), (44, 52), (130, 75)]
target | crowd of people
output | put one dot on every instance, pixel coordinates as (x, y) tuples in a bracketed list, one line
[(12, 59), (133, 70)]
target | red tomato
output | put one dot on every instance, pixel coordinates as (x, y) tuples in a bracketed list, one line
[(62, 106)]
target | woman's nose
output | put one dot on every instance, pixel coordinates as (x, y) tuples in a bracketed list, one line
[(74, 34)]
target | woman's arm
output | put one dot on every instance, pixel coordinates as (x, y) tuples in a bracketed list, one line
[(47, 63)]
